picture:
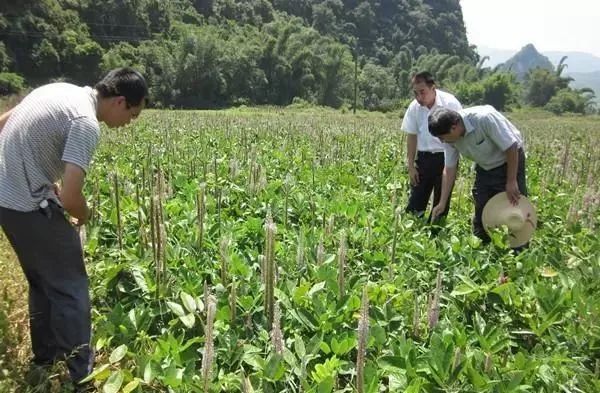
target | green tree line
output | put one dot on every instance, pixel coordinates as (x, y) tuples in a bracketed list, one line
[(219, 53)]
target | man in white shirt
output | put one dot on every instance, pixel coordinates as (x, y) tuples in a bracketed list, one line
[(425, 153), (485, 136)]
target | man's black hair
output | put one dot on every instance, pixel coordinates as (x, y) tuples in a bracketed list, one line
[(424, 76), (125, 82), (441, 120)]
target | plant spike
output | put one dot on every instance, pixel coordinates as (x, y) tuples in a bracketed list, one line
[(363, 336), (416, 318), (276, 333), (201, 212), (434, 302), (342, 265), (209, 352), (270, 230), (118, 208)]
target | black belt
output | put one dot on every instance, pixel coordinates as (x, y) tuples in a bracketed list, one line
[(429, 153)]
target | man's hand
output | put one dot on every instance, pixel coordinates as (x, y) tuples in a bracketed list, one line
[(56, 189), (513, 193), (437, 211), (77, 222), (413, 173)]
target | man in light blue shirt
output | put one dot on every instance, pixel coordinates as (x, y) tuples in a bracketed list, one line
[(485, 136)]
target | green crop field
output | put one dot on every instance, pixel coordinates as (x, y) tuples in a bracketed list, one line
[(268, 251)]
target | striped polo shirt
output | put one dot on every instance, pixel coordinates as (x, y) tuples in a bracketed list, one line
[(53, 125)]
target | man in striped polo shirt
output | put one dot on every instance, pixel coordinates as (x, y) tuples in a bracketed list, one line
[(51, 136), (425, 154)]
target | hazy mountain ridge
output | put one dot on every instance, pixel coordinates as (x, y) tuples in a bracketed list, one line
[(578, 62), (524, 60), (583, 67)]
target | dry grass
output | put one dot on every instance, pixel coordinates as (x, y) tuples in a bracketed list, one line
[(14, 325), (15, 345)]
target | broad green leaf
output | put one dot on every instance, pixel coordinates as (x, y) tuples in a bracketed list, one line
[(199, 304), (118, 353), (476, 379), (391, 362), (188, 302), (132, 318), (131, 386), (326, 385), (113, 383), (188, 320), (462, 289), (148, 373), (176, 308), (96, 372), (547, 271), (140, 280), (274, 369), (299, 346), (316, 288), (101, 343), (173, 376)]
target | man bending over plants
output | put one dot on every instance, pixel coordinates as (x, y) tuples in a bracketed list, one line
[(50, 136), (485, 136)]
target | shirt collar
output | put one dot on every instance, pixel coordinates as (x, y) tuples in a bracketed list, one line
[(468, 125), (438, 100), (93, 93)]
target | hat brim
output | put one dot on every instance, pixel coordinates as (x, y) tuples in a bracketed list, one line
[(492, 218)]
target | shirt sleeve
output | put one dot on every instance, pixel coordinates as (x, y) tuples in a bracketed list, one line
[(499, 130), (455, 105), (409, 123), (450, 156), (82, 140)]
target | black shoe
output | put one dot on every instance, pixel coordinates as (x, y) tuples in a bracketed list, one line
[(38, 378)]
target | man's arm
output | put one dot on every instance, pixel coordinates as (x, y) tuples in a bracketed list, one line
[(448, 178), (512, 166), (411, 153), (4, 118), (71, 194)]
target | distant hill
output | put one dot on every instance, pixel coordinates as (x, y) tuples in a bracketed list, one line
[(577, 62), (583, 67), (587, 79), (526, 59)]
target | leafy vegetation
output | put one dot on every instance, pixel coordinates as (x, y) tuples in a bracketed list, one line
[(244, 251)]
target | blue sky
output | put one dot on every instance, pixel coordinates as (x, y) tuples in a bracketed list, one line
[(550, 25)]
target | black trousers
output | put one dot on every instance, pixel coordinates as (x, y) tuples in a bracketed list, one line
[(49, 251), (430, 167), (489, 183)]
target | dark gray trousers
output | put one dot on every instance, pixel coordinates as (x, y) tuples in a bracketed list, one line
[(489, 183), (49, 251), (430, 167)]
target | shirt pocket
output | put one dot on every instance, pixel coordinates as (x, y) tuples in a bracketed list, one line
[(482, 148)]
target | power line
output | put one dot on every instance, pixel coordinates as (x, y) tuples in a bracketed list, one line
[(34, 34), (18, 17)]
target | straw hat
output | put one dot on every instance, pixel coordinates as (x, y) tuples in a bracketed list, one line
[(521, 219)]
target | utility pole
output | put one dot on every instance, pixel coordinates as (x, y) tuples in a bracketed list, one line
[(355, 74)]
